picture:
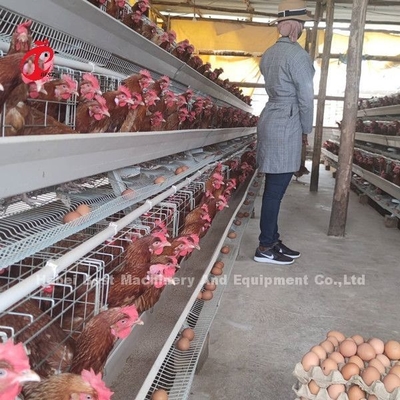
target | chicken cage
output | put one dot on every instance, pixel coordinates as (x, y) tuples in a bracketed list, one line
[(75, 54)]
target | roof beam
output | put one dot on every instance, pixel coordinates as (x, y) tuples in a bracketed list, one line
[(195, 9), (209, 8), (190, 4), (222, 19)]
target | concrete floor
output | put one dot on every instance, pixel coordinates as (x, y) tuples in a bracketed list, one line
[(260, 333)]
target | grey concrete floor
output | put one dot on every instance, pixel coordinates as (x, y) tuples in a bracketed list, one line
[(260, 333)]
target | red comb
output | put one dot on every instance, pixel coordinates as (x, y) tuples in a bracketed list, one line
[(145, 73), (24, 26), (92, 79), (14, 355), (95, 381), (72, 83), (160, 236), (125, 91), (195, 238)]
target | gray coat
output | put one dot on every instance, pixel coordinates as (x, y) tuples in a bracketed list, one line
[(288, 74)]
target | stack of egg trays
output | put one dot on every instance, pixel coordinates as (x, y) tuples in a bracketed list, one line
[(335, 377)]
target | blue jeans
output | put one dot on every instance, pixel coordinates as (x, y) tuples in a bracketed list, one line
[(274, 190)]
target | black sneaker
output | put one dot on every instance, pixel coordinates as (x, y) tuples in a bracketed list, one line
[(286, 251), (272, 256)]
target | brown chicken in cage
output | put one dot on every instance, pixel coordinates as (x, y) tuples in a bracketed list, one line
[(21, 39), (142, 6), (160, 86), (149, 30), (52, 95), (136, 119), (173, 108), (153, 122), (166, 40), (115, 8), (216, 204), (130, 284), (97, 339), (140, 250), (64, 386), (89, 112), (50, 348), (137, 83), (10, 75), (88, 87), (159, 275), (134, 19), (10, 70), (181, 247), (22, 119), (136, 261), (118, 103), (198, 226)]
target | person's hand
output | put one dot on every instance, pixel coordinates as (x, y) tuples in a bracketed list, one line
[(305, 139)]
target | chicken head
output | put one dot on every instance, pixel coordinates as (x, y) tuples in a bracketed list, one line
[(98, 110), (160, 275), (89, 86), (14, 369), (124, 97), (102, 392), (129, 317)]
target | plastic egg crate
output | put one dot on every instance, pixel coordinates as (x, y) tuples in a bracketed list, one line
[(335, 377)]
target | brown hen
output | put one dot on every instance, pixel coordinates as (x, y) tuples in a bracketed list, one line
[(139, 252), (159, 276), (21, 39), (97, 339), (89, 112), (53, 93), (118, 104), (10, 75), (51, 350), (69, 386)]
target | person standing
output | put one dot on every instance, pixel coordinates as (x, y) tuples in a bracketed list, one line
[(283, 124)]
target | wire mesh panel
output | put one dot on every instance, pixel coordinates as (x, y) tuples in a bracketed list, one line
[(184, 203), (197, 189), (61, 43), (21, 225), (70, 47), (41, 112), (165, 213)]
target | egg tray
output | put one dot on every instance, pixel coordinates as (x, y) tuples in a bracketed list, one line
[(303, 392), (335, 377)]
